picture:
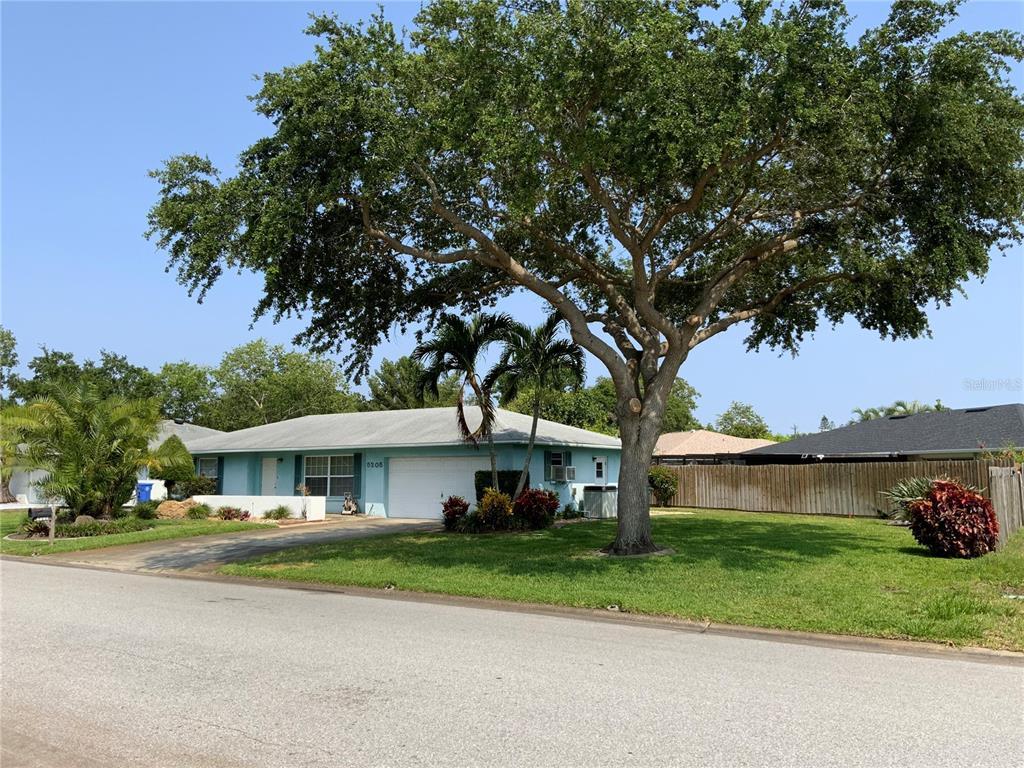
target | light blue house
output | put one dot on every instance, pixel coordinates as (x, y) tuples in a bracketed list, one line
[(400, 463)]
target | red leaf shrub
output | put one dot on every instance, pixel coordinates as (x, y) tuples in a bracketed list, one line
[(454, 508), (535, 509), (232, 513), (953, 521)]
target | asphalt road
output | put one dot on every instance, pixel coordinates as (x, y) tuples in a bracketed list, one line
[(103, 669)]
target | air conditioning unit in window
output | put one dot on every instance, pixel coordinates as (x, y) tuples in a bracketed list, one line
[(558, 474), (570, 474)]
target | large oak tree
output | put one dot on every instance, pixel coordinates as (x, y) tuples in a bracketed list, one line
[(657, 171)]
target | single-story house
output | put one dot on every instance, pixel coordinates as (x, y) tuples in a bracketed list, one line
[(399, 463), (702, 446), (957, 433)]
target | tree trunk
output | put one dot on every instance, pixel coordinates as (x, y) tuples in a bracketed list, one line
[(639, 436), (6, 497), (494, 460), (53, 522), (529, 446)]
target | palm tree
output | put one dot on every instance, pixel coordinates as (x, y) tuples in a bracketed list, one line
[(455, 350), (536, 357), (90, 448)]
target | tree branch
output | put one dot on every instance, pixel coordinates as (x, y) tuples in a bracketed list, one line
[(750, 312)]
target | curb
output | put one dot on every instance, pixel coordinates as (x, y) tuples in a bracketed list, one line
[(921, 649)]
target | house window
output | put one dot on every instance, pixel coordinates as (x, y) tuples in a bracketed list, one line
[(599, 464), (330, 475), (556, 458), (208, 468)]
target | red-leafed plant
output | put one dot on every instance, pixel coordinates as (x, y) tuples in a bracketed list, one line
[(954, 521), (535, 509), (454, 508), (232, 513)]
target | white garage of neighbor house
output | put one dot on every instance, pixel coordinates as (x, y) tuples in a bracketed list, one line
[(399, 463)]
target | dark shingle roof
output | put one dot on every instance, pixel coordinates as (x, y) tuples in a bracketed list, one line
[(961, 429)]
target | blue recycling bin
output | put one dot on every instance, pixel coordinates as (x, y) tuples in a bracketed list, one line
[(142, 491)]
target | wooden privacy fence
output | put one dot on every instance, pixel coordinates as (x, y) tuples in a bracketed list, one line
[(1006, 489), (813, 489)]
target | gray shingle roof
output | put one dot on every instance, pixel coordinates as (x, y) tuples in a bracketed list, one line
[(960, 429), (378, 429), (186, 432)]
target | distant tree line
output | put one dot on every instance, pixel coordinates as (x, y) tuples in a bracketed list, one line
[(260, 383)]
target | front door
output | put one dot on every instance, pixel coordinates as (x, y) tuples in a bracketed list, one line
[(269, 485)]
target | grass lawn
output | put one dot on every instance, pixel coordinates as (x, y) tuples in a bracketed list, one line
[(163, 529), (838, 575)]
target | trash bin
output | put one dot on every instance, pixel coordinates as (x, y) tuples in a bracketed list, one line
[(600, 501), (142, 491)]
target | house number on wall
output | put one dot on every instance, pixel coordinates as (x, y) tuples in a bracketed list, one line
[(375, 465)]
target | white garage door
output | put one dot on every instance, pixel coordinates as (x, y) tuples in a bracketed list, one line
[(416, 487)]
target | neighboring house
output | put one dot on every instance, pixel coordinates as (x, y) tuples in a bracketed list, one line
[(960, 433), (399, 463), (23, 484), (702, 446)]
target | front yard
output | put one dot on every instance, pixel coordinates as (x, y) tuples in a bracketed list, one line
[(837, 575), (162, 529)]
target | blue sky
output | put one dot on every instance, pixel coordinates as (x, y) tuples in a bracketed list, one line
[(95, 94)]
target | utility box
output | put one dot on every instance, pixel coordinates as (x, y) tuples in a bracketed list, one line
[(600, 501)]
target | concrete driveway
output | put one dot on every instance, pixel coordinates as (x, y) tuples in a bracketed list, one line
[(207, 553)]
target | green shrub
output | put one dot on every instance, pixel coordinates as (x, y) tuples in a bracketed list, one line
[(198, 512), (494, 512), (38, 527), (146, 510), (570, 512), (469, 523), (232, 513), (508, 479), (534, 509), (280, 512), (195, 486), (664, 483)]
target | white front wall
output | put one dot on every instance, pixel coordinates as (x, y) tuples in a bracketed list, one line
[(418, 486), (315, 506)]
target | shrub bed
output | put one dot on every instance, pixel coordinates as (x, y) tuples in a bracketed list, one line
[(41, 528)]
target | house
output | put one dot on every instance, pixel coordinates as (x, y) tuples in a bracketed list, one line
[(399, 463), (702, 446), (959, 433)]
